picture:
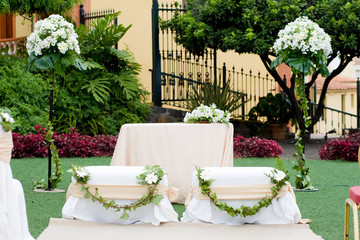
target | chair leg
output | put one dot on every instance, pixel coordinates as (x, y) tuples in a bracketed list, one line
[(356, 221), (347, 218)]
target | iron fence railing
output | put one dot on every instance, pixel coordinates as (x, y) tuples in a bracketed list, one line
[(87, 18), (335, 121)]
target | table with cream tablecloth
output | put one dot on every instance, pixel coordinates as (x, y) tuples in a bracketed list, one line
[(177, 147), (13, 218), (244, 186)]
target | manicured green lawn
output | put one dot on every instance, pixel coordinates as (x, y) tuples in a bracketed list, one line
[(324, 207)]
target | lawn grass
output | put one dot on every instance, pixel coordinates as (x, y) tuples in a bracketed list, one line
[(324, 207)]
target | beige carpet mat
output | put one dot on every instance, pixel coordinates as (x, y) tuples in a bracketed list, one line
[(60, 229)]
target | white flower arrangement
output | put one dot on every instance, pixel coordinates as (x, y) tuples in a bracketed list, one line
[(6, 120), (304, 36), (205, 175), (279, 175), (53, 34), (151, 178), (206, 113)]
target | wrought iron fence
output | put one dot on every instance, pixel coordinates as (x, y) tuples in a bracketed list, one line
[(181, 72), (87, 18)]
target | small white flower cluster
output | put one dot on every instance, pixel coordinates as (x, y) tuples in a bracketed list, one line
[(211, 114), (280, 175), (205, 175), (51, 35), (303, 35), (82, 172), (151, 178), (5, 117)]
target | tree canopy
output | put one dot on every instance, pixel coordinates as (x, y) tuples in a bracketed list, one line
[(251, 26), (42, 7)]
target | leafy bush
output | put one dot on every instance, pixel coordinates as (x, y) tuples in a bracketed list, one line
[(342, 148), (71, 144), (255, 147), (24, 93), (96, 101), (223, 98), (99, 101)]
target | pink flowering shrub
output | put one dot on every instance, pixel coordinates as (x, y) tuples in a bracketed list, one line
[(342, 148), (71, 144), (255, 147)]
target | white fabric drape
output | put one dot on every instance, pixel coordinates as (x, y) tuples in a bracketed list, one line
[(85, 209), (13, 219), (177, 147), (283, 210)]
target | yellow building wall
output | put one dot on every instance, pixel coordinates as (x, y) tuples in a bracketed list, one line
[(23, 27), (343, 100)]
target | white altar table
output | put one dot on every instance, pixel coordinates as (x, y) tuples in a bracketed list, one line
[(177, 147), (283, 210)]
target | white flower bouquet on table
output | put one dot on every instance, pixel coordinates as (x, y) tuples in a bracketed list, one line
[(6, 120), (206, 113)]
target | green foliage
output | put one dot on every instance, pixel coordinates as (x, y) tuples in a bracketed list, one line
[(223, 98), (108, 94), (24, 93), (251, 26), (56, 175), (42, 7), (276, 108)]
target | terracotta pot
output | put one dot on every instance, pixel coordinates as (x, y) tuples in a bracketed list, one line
[(204, 122), (277, 131)]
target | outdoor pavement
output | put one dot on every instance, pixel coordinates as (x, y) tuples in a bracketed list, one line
[(311, 148)]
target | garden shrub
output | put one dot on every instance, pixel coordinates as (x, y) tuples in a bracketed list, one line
[(97, 101), (24, 93), (256, 147), (342, 148), (72, 144)]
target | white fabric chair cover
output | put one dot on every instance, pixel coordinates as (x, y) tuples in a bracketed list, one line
[(13, 219), (283, 210), (85, 209)]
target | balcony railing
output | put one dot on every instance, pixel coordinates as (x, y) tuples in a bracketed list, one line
[(9, 45)]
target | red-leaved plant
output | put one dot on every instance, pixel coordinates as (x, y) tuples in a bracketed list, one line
[(71, 144), (342, 148), (256, 147)]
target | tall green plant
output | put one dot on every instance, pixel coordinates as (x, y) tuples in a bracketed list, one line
[(223, 97), (102, 99)]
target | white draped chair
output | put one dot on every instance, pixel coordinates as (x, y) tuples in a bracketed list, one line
[(13, 218), (244, 186), (117, 183)]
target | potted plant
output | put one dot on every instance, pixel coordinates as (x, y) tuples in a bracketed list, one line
[(277, 110)]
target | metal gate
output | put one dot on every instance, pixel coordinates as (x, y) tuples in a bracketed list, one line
[(176, 72)]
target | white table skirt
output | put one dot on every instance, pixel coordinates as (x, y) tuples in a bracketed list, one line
[(85, 209), (283, 210), (13, 218), (177, 147)]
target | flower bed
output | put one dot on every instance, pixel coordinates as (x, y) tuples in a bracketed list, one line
[(343, 148), (255, 147), (71, 144)]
